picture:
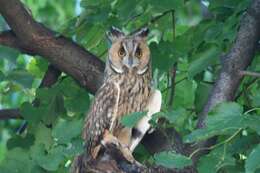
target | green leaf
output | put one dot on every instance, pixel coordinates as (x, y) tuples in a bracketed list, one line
[(51, 104), (127, 9), (224, 112), (201, 95), (17, 161), (184, 94), (9, 54), (163, 56), (160, 5), (253, 160), (34, 68), (215, 160), (131, 119), (242, 143), (20, 141), (76, 99), (71, 128), (203, 60), (225, 118), (172, 160), (49, 160), (22, 77), (255, 99), (176, 117), (2, 76), (31, 114), (252, 121), (74, 148), (43, 136)]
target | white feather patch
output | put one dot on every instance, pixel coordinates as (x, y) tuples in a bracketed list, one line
[(143, 125), (142, 71)]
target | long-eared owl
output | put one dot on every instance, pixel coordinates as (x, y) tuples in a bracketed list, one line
[(126, 89)]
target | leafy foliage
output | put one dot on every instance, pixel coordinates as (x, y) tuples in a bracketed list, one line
[(132, 119), (252, 163), (172, 160), (181, 35)]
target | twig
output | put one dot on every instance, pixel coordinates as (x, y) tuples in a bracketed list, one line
[(172, 91), (177, 82), (251, 110), (174, 68), (249, 73), (173, 24), (154, 19), (216, 145), (246, 87), (132, 18)]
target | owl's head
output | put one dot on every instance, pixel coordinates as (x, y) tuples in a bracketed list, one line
[(128, 52)]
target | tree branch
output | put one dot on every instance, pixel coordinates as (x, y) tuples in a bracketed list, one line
[(50, 77), (172, 84), (33, 38), (236, 60), (154, 19), (249, 73), (8, 38), (6, 114)]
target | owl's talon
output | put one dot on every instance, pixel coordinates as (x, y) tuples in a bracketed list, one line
[(108, 138)]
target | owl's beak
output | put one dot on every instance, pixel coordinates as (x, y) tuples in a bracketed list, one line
[(130, 62)]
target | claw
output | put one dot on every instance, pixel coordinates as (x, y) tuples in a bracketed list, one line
[(108, 138)]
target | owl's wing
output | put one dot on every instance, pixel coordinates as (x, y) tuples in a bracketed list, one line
[(154, 106), (101, 116)]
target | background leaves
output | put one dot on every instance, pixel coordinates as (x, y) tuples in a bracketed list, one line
[(180, 34)]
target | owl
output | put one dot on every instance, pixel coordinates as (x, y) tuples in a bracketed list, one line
[(127, 88)]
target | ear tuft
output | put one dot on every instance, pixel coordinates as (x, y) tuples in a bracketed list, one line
[(114, 33), (142, 32)]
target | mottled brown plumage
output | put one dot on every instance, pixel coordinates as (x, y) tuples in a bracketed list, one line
[(126, 89)]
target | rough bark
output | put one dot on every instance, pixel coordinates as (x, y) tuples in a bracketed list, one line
[(236, 60), (62, 52)]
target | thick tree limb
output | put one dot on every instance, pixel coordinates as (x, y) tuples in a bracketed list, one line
[(237, 59), (34, 38), (8, 38)]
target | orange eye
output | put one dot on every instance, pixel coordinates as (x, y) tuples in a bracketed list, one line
[(121, 52), (138, 53)]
